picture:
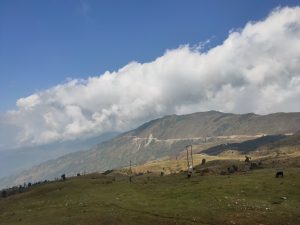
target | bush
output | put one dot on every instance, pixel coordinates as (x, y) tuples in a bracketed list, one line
[(253, 166)]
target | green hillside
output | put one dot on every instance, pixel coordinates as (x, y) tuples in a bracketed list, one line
[(255, 197)]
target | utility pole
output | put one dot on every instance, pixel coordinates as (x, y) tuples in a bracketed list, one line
[(189, 158), (130, 169), (177, 165)]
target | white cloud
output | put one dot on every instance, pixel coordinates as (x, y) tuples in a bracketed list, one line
[(256, 69), (28, 103)]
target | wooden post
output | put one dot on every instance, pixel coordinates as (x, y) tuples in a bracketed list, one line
[(130, 172)]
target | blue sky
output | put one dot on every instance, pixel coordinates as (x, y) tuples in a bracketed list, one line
[(42, 43)]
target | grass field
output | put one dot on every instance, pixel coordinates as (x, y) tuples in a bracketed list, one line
[(255, 197)]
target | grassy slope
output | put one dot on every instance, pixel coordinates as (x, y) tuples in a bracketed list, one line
[(250, 198), (171, 165)]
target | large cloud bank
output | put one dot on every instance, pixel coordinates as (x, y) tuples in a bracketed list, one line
[(256, 69)]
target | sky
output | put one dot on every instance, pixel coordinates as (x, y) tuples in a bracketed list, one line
[(72, 69), (43, 43)]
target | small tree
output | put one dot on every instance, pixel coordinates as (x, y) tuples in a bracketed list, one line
[(21, 189), (203, 162), (247, 159)]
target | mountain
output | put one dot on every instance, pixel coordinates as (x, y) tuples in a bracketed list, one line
[(16, 160), (270, 143), (163, 137)]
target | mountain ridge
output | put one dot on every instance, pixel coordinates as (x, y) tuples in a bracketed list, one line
[(166, 136)]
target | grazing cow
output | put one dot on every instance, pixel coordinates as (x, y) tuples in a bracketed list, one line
[(279, 174), (190, 171), (4, 193), (63, 177), (232, 169)]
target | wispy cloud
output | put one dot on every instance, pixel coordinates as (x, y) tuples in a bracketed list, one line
[(85, 7), (256, 69)]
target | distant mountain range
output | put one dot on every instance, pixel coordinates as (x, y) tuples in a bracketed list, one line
[(159, 138), (16, 160)]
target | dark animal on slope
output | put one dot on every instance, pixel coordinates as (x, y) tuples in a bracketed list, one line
[(63, 177), (232, 169), (279, 174)]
